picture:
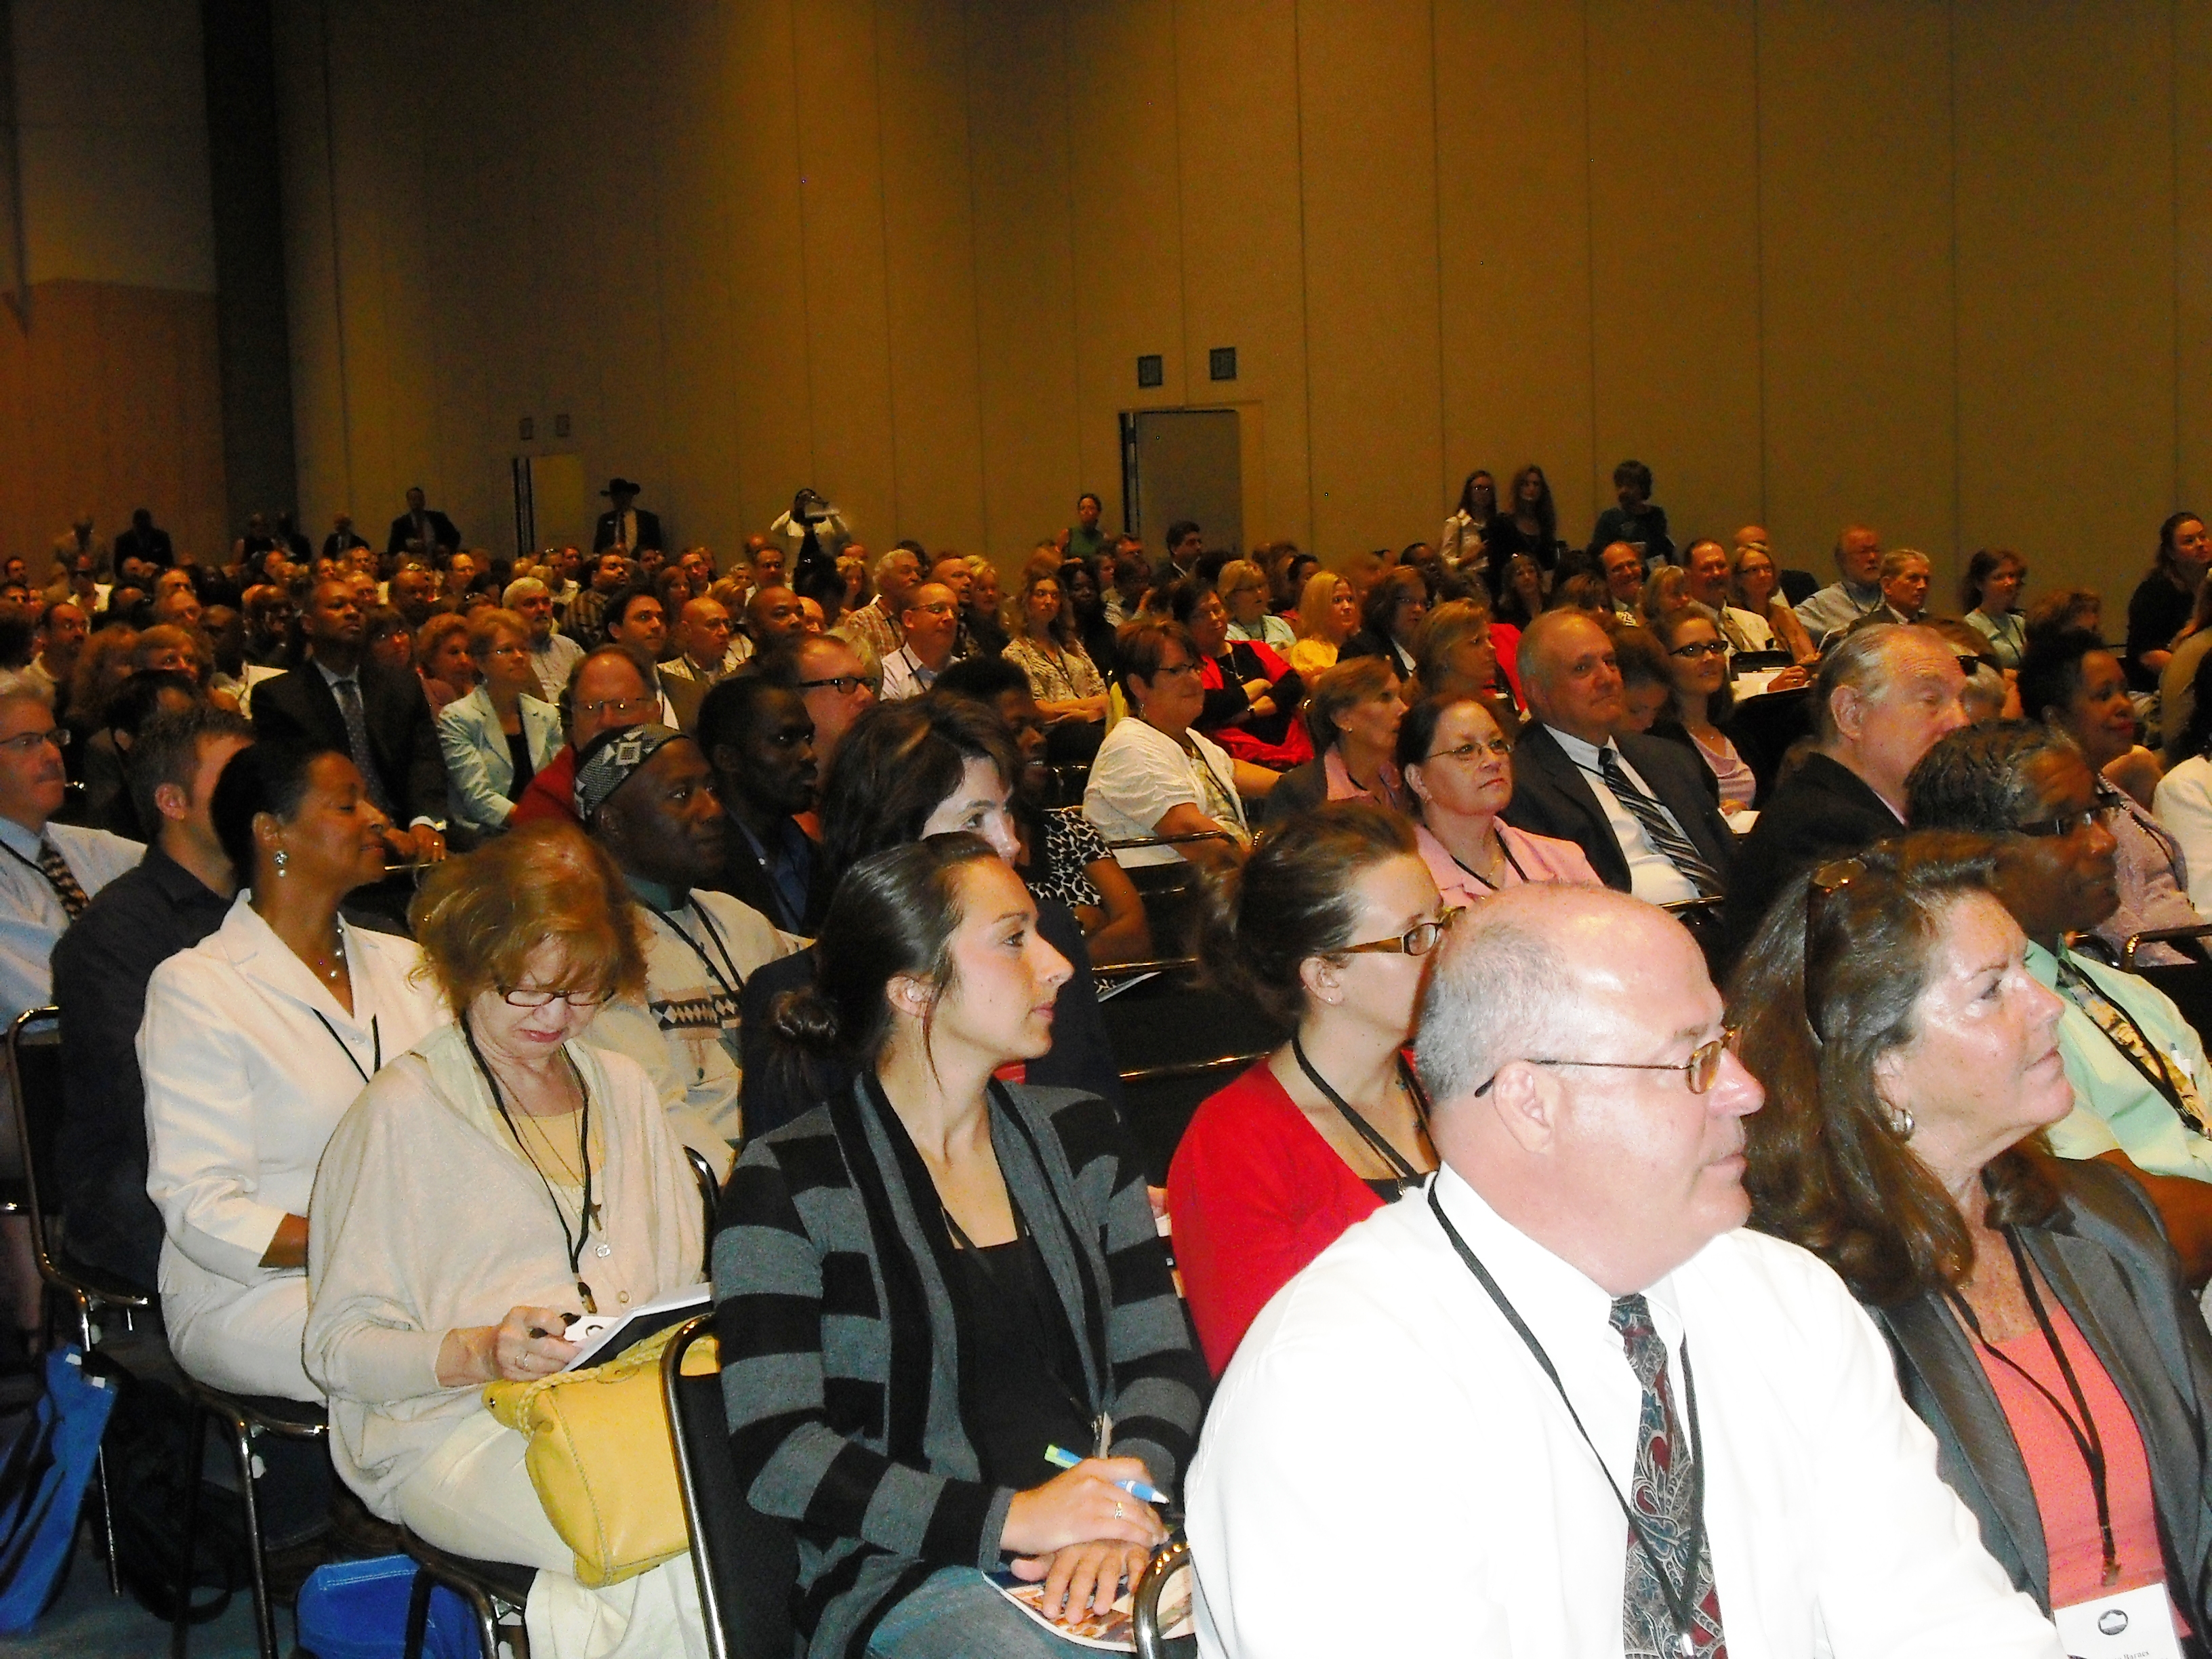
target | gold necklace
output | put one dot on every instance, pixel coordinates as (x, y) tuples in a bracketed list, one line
[(571, 1174)]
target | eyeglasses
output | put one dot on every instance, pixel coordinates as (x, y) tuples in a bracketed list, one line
[(1701, 648), (843, 685), (1164, 673), (1698, 1070), (1495, 746), (27, 743), (2066, 823), (1418, 941), (530, 997), (622, 707), (1968, 664)]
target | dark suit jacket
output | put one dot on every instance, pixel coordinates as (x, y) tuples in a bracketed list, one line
[(2107, 1257), (744, 876), (442, 534), (1551, 797), (1819, 811), (334, 544), (299, 707), (154, 547), (648, 530)]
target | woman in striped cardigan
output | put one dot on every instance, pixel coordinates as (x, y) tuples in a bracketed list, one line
[(930, 1277)]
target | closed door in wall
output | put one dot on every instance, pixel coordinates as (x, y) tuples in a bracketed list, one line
[(1183, 463), (552, 503)]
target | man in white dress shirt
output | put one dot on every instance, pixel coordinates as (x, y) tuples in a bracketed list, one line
[(1429, 1441), (932, 626), (552, 654)]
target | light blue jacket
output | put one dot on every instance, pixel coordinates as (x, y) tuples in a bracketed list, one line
[(479, 773)]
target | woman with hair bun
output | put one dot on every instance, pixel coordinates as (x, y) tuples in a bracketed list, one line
[(933, 1276), (1328, 928)]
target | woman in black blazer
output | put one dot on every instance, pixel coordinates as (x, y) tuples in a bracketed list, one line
[(2038, 1318)]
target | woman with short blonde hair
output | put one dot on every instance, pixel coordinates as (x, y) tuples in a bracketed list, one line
[(1329, 615), (503, 733)]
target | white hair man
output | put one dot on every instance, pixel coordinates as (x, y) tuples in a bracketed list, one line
[(1560, 1401), (552, 653)]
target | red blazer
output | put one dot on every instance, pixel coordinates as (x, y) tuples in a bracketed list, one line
[(1255, 1193)]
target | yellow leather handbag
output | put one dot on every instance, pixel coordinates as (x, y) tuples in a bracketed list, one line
[(602, 1458)]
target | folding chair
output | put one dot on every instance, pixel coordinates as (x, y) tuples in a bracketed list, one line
[(2189, 984), (1170, 1559), (710, 1195), (1175, 1041), (34, 1074), (746, 1563), (496, 1591), (244, 1416)]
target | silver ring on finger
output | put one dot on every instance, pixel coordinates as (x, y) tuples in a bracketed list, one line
[(1117, 1512)]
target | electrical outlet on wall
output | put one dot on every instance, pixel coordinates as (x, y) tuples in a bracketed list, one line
[(1149, 370), (559, 426), (1221, 363)]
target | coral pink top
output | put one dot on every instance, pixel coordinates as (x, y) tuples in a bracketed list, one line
[(2063, 1495), (1541, 858), (1255, 1193)]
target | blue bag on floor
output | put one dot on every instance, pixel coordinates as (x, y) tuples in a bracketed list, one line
[(42, 1482), (358, 1610)]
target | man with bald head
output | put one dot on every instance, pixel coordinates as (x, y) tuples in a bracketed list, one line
[(1856, 591), (1883, 697), (1559, 1400), (707, 647), (1643, 808)]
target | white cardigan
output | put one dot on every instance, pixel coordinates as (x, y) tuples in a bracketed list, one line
[(426, 1220), (244, 1085)]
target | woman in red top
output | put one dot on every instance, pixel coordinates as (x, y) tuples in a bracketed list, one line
[(1329, 928)]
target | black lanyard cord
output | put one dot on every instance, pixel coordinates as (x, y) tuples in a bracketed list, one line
[(1678, 1606), (1405, 1174), (729, 988), (2162, 1080), (376, 1045), (573, 1242), (1505, 847), (2086, 1441)]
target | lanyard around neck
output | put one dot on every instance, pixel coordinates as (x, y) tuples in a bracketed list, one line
[(1677, 1596), (376, 1044), (729, 982), (572, 1242), (1401, 1167)]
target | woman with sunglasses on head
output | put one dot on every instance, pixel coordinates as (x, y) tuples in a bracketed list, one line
[(1458, 767), (2038, 1319), (1754, 586), (1697, 664), (933, 1280), (499, 1182), (1327, 928)]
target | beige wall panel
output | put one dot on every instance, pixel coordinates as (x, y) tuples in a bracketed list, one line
[(1130, 273), (2193, 268), (701, 116), (1674, 261), (1243, 269), (2066, 247), (1855, 116), (930, 245), (1017, 125), (1369, 143), (1513, 204), (848, 330)]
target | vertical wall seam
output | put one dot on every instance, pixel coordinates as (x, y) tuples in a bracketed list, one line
[(1958, 412), (1185, 354), (337, 264), (1305, 269), (1436, 225), (974, 261), (1589, 258), (2173, 200), (805, 274), (1758, 241), (884, 228), (1074, 282)]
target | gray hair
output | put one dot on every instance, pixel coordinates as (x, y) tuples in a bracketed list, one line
[(1895, 561), (1860, 661), (891, 556), (15, 684), (523, 588), (1976, 778)]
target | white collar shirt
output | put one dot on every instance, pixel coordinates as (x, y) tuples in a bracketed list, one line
[(1653, 877), (31, 914), (905, 675), (1385, 1470)]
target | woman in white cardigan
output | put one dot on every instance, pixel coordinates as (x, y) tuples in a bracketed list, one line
[(253, 1043), (501, 1180), (499, 736)]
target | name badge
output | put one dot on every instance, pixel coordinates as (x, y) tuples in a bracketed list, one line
[(2137, 1624)]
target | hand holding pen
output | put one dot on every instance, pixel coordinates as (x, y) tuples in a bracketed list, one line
[(1142, 1490)]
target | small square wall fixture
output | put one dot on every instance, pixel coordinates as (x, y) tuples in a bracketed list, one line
[(1221, 363), (1149, 370)]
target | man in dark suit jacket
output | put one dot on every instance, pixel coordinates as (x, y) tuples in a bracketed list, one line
[(424, 528), (145, 540), (759, 738), (406, 772), (625, 515), (1884, 695), (1573, 686), (342, 538)]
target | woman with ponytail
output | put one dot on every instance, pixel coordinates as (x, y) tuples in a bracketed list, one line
[(1328, 928), (933, 1276)]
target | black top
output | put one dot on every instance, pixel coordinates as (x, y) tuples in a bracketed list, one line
[(1016, 1358), (101, 965), (518, 750), (2157, 610)]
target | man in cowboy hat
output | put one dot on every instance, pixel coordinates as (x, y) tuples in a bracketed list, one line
[(626, 524)]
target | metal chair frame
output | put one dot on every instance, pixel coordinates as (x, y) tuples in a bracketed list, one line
[(84, 1294), (2198, 932), (1168, 1560), (493, 1602), (672, 1372), (244, 1418)]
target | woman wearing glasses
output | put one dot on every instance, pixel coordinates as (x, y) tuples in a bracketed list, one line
[(490, 1187), (498, 736), (1458, 768), (1327, 929), (1697, 667), (2038, 1316)]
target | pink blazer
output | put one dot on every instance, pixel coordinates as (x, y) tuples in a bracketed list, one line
[(1541, 858)]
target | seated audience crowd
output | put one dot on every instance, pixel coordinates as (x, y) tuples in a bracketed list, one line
[(1693, 1019)]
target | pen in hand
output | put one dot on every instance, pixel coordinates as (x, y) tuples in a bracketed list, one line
[(568, 1318), (1142, 1491)]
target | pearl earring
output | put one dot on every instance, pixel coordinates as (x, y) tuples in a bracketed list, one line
[(1900, 1123), (283, 858)]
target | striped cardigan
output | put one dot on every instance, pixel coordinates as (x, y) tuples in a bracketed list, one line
[(839, 1364)]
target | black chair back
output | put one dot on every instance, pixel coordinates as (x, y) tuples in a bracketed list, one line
[(746, 1563), (34, 1074), (1177, 1040), (710, 1196)]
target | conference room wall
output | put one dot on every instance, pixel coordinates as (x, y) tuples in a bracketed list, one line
[(1931, 264)]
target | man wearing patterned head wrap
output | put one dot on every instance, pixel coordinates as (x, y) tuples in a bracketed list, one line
[(646, 793)]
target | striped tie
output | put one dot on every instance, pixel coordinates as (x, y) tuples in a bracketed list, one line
[(55, 868), (1669, 842)]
